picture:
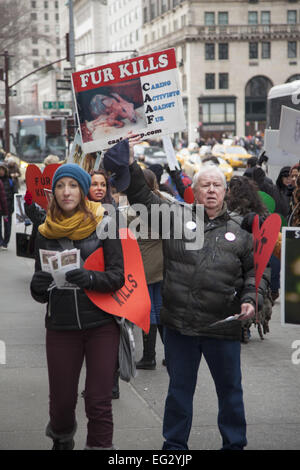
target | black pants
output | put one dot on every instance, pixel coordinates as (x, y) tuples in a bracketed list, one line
[(4, 240)]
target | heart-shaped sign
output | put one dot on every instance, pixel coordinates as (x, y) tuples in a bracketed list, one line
[(132, 301), (188, 195), (36, 182), (264, 242)]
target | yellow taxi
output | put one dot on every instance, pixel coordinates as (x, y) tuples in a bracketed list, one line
[(192, 164), (235, 155)]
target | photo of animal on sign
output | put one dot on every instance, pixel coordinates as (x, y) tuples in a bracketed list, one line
[(110, 111), (141, 95)]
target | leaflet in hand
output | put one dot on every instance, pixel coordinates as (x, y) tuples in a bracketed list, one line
[(58, 263)]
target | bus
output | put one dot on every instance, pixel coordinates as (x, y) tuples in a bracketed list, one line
[(33, 137), (288, 95)]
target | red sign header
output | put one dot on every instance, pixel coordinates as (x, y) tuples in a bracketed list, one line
[(125, 70)]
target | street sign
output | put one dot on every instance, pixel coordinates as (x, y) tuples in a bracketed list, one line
[(57, 104), (63, 84)]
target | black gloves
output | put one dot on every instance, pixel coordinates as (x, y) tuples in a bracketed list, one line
[(40, 282), (81, 277), (247, 221)]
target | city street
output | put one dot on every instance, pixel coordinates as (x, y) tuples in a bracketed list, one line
[(271, 382)]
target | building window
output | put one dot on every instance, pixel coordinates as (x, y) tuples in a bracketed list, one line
[(253, 50), (223, 81), (57, 41), (33, 16), (223, 51), (209, 51), (265, 17), (222, 17), (56, 16), (47, 52), (47, 28), (210, 81), (35, 52), (46, 16), (35, 64), (209, 18), (217, 112), (33, 4), (265, 50), (56, 3), (34, 40), (292, 49), (252, 17), (291, 16), (46, 4)]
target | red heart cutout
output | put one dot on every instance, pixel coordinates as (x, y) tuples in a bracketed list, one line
[(188, 195), (132, 301), (36, 182), (264, 242)]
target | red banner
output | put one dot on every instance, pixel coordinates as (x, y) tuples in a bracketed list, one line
[(37, 182)]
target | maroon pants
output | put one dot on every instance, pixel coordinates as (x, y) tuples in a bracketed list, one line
[(66, 351)]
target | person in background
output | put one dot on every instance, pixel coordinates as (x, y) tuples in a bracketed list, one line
[(76, 329), (294, 220), (51, 159), (3, 208), (152, 255), (14, 171), (10, 190)]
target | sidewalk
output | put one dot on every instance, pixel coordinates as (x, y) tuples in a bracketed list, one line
[(271, 383)]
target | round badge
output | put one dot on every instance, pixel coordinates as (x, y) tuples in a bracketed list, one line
[(190, 225), (230, 236)]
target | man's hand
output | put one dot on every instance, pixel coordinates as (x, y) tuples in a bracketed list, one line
[(133, 140), (247, 311)]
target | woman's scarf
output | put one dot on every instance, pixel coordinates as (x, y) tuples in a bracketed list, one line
[(77, 227)]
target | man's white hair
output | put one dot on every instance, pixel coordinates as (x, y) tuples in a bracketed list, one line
[(208, 168)]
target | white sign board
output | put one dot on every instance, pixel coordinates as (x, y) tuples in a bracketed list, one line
[(170, 153), (289, 131), (277, 156), (141, 95)]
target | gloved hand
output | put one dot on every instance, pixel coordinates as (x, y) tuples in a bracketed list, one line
[(40, 282), (28, 198), (81, 277)]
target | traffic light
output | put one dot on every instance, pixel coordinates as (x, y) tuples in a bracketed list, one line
[(67, 47)]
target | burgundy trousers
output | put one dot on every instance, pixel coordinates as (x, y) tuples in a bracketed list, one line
[(66, 351)]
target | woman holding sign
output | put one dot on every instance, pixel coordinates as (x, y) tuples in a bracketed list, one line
[(77, 329)]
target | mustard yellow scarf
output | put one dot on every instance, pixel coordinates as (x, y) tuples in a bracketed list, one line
[(76, 227)]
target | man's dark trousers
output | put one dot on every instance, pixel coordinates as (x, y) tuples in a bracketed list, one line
[(183, 354)]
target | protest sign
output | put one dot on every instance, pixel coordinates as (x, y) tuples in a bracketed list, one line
[(276, 155), (37, 182), (264, 239), (132, 301), (20, 216), (290, 276), (170, 153), (289, 131), (87, 161), (141, 95)]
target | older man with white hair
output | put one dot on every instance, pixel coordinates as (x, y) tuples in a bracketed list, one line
[(202, 287)]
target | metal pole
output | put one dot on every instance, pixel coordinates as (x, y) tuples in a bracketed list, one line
[(71, 37), (7, 128)]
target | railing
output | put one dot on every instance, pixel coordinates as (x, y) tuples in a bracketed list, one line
[(246, 32)]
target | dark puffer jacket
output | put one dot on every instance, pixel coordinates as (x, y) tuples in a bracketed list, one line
[(71, 309), (201, 286)]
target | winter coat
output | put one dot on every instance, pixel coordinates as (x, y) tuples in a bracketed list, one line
[(3, 203), (202, 286), (9, 188), (71, 309)]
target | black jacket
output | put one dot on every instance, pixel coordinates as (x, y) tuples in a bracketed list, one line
[(71, 309), (202, 286), (10, 189)]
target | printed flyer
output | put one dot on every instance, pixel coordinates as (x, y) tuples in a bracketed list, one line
[(141, 95)]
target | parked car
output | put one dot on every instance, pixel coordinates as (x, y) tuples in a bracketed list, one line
[(235, 155), (192, 164)]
